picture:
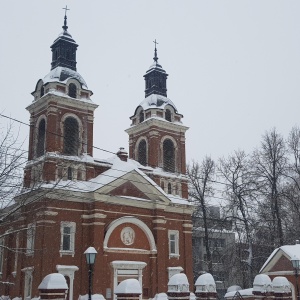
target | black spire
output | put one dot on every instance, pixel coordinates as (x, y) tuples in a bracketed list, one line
[(156, 78), (64, 49)]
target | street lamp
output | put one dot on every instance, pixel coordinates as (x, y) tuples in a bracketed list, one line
[(296, 264), (90, 254)]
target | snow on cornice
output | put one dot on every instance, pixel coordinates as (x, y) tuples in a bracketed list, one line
[(156, 101)]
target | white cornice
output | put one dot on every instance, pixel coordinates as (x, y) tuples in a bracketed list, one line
[(77, 103), (160, 123)]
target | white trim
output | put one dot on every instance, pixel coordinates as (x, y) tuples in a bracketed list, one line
[(72, 226), (176, 241), (70, 272), (127, 265), (28, 282), (30, 239), (114, 224)]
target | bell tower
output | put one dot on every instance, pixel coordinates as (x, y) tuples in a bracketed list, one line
[(157, 135), (61, 119)]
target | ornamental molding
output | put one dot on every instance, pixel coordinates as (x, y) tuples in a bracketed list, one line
[(94, 216)]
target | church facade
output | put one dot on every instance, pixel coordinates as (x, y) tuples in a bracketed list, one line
[(132, 208)]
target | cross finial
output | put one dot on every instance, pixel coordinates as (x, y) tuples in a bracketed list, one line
[(155, 58), (65, 27)]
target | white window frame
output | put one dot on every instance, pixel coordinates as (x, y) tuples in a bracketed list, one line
[(174, 233), (72, 226), (30, 239), (28, 282)]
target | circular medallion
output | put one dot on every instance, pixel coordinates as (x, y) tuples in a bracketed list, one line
[(127, 235)]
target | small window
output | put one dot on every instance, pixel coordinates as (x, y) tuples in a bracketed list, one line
[(168, 156), (30, 239), (72, 90), (40, 149), (168, 115), (162, 185), (70, 173), (173, 243), (71, 136), (67, 245), (42, 92), (169, 188), (142, 153), (28, 283), (142, 117)]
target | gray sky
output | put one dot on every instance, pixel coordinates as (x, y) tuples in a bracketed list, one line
[(234, 66)]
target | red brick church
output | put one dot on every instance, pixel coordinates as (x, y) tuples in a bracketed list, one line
[(132, 208)]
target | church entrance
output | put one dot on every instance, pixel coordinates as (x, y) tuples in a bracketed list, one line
[(125, 270)]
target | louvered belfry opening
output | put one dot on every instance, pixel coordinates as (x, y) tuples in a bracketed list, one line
[(71, 136), (168, 156), (72, 90), (142, 153), (40, 147)]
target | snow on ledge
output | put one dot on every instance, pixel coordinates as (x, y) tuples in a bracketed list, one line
[(129, 286), (54, 281)]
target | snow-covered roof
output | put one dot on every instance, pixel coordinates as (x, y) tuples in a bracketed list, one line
[(117, 170), (245, 292), (129, 286), (234, 288), (155, 66), (156, 101), (54, 281), (62, 74), (289, 250)]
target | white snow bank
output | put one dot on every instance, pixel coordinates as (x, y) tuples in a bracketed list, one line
[(54, 281), (245, 292), (129, 286), (94, 297), (161, 296)]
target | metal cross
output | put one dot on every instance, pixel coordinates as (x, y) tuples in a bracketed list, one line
[(155, 42), (66, 8)]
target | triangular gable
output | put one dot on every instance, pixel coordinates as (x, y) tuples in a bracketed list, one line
[(283, 253), (135, 184), (128, 189)]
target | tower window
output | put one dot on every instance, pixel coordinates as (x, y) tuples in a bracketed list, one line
[(68, 54), (70, 173), (42, 91), (72, 90), (40, 149), (168, 115), (168, 156), (169, 188), (142, 153), (71, 136), (142, 117)]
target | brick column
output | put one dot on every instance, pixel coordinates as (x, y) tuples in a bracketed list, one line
[(282, 289), (262, 287), (178, 287), (53, 286), (205, 287)]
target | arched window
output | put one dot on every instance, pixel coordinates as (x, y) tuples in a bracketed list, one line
[(72, 90), (142, 153), (71, 136), (42, 91), (169, 188), (70, 173), (168, 115), (40, 146), (142, 116), (68, 54), (169, 155), (162, 185)]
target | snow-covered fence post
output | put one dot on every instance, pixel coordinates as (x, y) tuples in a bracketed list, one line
[(128, 289), (205, 287), (178, 287), (282, 289), (262, 287), (54, 286)]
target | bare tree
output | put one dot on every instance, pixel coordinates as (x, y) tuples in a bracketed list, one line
[(201, 189), (270, 163), (239, 192)]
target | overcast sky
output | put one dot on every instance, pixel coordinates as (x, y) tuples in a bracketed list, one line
[(234, 66)]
